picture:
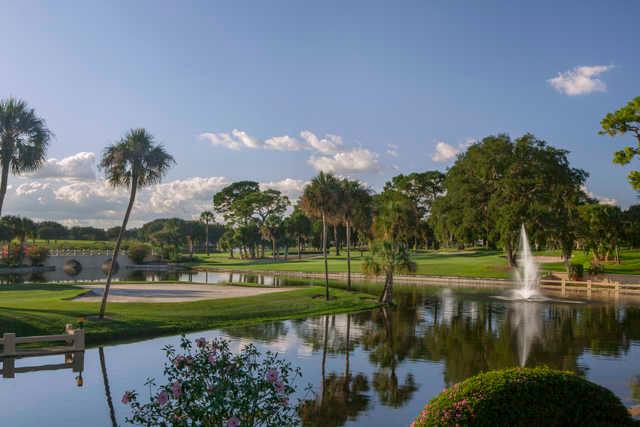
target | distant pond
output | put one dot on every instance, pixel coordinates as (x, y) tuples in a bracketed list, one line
[(92, 269), (381, 365)]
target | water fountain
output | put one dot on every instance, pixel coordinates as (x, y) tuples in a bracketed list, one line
[(527, 274)]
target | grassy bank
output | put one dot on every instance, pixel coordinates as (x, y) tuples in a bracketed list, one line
[(470, 263), (45, 309)]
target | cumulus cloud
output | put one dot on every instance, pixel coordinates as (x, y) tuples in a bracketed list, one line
[(580, 80), (283, 143), (444, 152), (354, 160), (184, 196), (292, 188), (77, 166), (601, 199), (330, 144)]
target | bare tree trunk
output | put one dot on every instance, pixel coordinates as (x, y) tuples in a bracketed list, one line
[(299, 247), (324, 254), (274, 255), (3, 182), (116, 249), (348, 226)]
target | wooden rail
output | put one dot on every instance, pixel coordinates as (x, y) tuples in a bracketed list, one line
[(590, 286), (73, 338)]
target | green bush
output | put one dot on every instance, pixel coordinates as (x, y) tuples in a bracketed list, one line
[(138, 252), (525, 397), (595, 269), (38, 254), (576, 271)]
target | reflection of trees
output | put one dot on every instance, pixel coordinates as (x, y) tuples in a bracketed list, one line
[(634, 385), (267, 332), (341, 397)]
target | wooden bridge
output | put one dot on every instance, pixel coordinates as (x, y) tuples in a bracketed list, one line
[(590, 286)]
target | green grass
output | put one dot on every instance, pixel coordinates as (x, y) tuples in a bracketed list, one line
[(437, 263), (46, 308), (468, 263)]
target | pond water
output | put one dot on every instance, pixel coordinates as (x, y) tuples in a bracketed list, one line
[(381, 365), (92, 271)]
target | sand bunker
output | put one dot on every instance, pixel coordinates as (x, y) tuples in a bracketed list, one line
[(171, 292)]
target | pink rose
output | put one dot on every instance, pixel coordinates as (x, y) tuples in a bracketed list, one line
[(279, 386), (201, 342), (212, 358), (233, 422), (176, 389), (163, 398), (126, 397), (272, 375)]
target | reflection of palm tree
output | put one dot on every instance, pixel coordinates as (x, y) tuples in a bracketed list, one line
[(107, 389)]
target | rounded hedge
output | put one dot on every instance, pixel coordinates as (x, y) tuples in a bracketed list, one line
[(525, 397)]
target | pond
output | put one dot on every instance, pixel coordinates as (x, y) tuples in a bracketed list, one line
[(92, 271), (381, 366)]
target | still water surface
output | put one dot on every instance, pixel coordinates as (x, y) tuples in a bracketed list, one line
[(381, 365)]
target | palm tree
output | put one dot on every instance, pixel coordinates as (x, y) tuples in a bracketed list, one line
[(24, 138), (394, 223), (207, 217), (134, 161), (319, 201), (354, 200)]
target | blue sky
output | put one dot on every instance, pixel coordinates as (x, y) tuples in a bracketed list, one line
[(381, 77)]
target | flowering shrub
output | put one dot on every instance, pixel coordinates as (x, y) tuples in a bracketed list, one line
[(524, 397), (37, 254), (207, 385), (13, 254)]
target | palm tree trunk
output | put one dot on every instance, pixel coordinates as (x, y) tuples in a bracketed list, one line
[(324, 254), (335, 239), (114, 259), (348, 226), (107, 389), (206, 233), (324, 354), (299, 247), (3, 182), (274, 255)]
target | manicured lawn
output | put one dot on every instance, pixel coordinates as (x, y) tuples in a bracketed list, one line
[(46, 308), (437, 263), (469, 263)]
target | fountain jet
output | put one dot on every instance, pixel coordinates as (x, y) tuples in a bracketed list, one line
[(527, 274)]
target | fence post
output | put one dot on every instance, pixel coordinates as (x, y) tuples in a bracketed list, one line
[(8, 367), (9, 344), (589, 288), (564, 287)]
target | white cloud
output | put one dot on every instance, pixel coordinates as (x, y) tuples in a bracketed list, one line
[(292, 188), (221, 139), (330, 144), (77, 166), (245, 139), (580, 80), (601, 199), (392, 150), (444, 152), (283, 143), (184, 196), (354, 160)]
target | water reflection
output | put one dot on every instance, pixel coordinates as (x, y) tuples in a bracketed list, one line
[(378, 368)]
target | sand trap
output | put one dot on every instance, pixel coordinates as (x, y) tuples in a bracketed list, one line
[(171, 292)]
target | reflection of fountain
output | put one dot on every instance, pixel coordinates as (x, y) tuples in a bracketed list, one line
[(526, 322), (527, 276)]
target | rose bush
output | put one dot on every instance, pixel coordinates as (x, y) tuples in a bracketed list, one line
[(208, 385)]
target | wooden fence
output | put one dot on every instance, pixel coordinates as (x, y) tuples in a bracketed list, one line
[(73, 360), (81, 252), (73, 339), (590, 286)]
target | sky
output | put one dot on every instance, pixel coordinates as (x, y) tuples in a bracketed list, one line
[(275, 91)]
